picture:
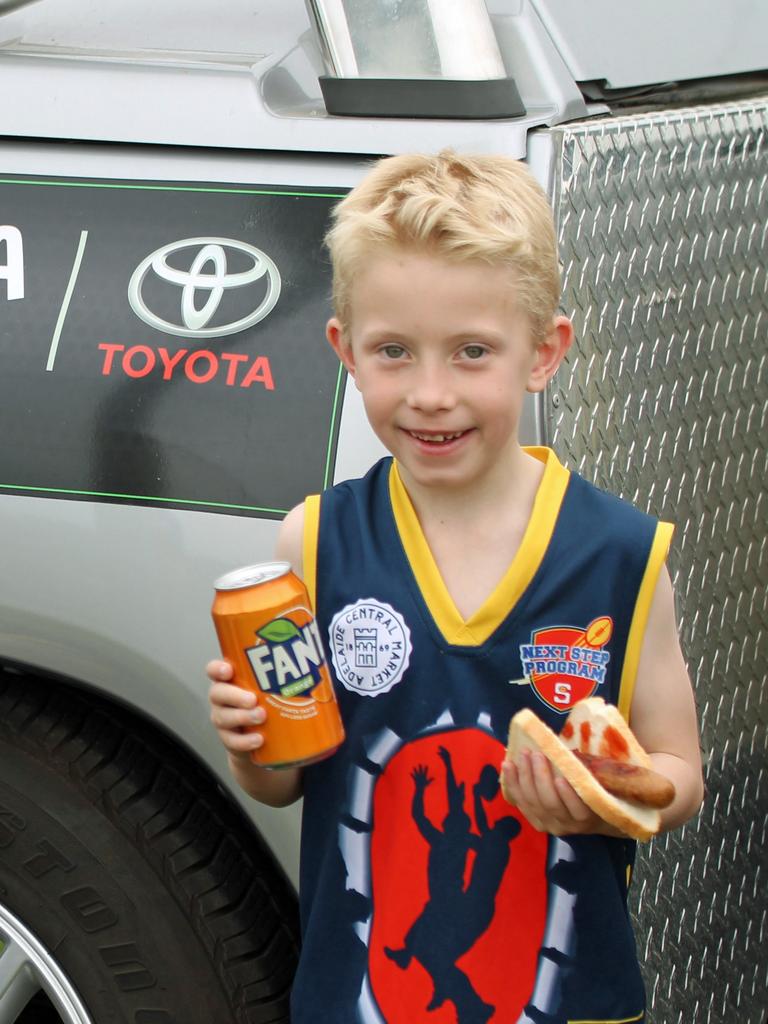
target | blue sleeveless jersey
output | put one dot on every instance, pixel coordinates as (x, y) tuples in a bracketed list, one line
[(425, 896)]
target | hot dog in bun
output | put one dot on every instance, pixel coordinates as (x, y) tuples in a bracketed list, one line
[(598, 754)]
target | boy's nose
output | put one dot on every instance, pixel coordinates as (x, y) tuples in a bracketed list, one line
[(431, 390)]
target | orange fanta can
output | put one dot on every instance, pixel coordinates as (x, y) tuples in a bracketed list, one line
[(269, 635)]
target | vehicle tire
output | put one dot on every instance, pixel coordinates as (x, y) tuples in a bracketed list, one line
[(135, 873)]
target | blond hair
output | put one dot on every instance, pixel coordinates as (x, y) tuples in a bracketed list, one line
[(486, 208)]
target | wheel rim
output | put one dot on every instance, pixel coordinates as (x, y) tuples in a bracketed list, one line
[(26, 968)]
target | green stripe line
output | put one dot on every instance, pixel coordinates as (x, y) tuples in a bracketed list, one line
[(141, 497), (336, 398), (176, 188)]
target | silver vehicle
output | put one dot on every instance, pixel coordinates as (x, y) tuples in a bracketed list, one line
[(166, 396)]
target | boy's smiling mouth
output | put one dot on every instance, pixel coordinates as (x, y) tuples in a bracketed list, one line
[(423, 436), (437, 439)]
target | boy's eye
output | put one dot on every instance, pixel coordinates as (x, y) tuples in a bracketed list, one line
[(393, 351), (474, 351)]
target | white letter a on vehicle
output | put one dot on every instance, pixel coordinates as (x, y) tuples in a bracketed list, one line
[(13, 270)]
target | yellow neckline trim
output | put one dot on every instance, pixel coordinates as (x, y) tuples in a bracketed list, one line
[(483, 623)]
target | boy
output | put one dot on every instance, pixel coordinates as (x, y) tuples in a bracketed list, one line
[(425, 896)]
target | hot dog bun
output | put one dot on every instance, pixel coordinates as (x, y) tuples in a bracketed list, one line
[(596, 728)]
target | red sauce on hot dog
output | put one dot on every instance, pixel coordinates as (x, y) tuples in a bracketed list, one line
[(585, 729), (613, 744)]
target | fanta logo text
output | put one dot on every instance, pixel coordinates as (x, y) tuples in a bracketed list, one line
[(198, 366), (288, 659)]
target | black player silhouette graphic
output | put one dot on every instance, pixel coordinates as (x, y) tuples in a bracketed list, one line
[(459, 914)]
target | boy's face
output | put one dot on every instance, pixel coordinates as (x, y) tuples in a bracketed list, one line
[(443, 358)]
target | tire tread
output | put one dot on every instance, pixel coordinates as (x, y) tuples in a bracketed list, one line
[(196, 841)]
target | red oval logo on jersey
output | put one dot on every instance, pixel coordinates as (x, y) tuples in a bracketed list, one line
[(459, 886)]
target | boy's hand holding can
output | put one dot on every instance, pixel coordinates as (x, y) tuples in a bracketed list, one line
[(235, 712), (272, 645)]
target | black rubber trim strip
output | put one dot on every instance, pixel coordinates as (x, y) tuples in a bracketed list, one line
[(422, 97)]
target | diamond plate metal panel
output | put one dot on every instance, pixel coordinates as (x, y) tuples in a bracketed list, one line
[(662, 225)]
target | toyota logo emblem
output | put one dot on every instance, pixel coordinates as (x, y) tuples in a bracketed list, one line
[(208, 274)]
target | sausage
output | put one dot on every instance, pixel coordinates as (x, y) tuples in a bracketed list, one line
[(629, 781)]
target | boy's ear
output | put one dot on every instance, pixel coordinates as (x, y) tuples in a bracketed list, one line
[(334, 332), (550, 352)]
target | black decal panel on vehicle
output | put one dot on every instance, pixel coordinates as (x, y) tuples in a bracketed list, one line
[(163, 343)]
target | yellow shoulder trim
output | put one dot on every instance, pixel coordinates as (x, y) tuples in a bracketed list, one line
[(311, 534), (656, 559), (483, 623)]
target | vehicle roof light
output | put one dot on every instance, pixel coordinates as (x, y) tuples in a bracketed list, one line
[(412, 58)]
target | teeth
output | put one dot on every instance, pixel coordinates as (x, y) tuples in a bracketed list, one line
[(436, 437)]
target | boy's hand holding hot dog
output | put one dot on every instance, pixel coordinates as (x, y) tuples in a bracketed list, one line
[(663, 738), (593, 777)]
